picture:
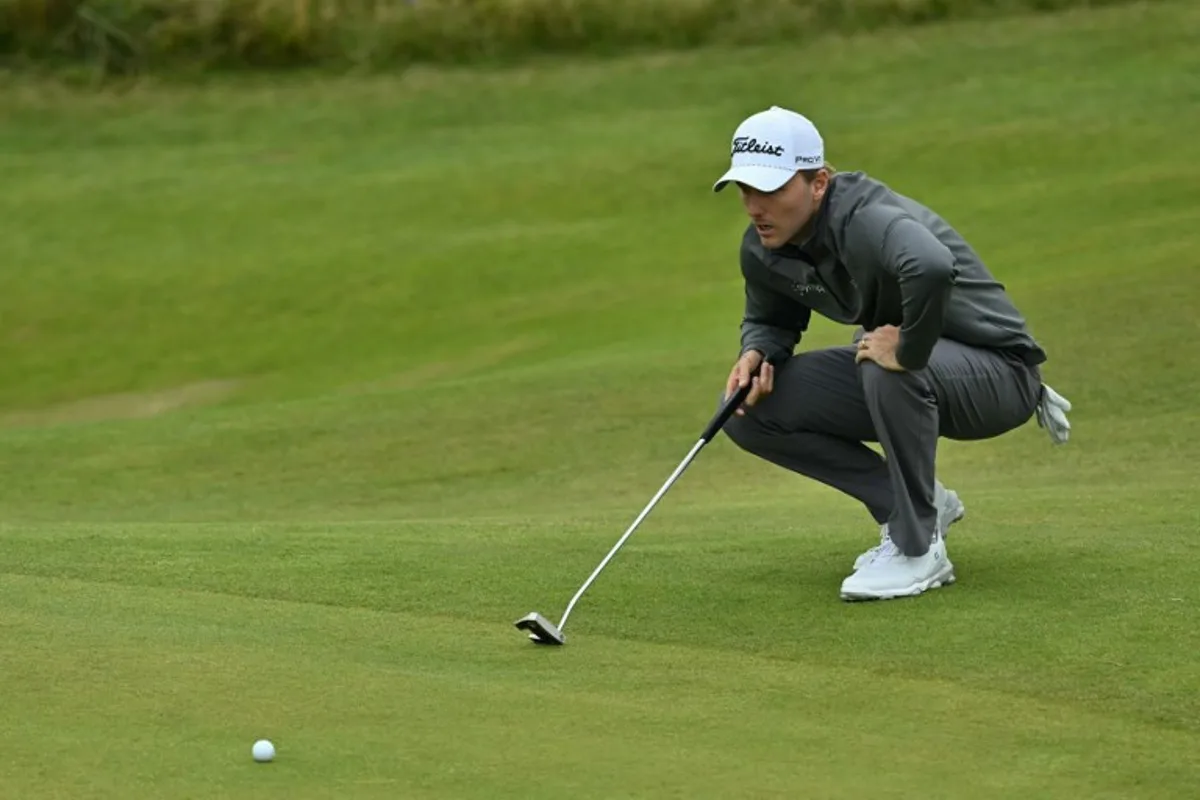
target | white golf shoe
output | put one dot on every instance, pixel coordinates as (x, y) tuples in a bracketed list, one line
[(889, 573), (950, 511)]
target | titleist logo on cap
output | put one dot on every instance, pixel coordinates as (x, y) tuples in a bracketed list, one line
[(744, 144)]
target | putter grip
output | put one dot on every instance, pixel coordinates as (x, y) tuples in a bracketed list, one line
[(727, 408)]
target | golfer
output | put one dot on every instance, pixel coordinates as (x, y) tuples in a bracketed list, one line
[(939, 350)]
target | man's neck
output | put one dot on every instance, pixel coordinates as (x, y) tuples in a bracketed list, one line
[(805, 234)]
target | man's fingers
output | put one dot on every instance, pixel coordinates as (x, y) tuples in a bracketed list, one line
[(755, 391), (768, 379), (743, 373), (760, 385), (748, 401), (735, 380)]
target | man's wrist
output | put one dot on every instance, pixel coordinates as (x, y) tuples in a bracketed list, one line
[(753, 349)]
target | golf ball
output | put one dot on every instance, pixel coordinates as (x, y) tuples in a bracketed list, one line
[(263, 750)]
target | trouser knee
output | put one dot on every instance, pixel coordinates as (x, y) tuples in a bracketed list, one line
[(741, 432), (879, 383)]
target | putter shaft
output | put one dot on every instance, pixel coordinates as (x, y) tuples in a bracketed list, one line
[(535, 621), (645, 511)]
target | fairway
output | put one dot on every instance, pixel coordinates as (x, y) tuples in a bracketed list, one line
[(310, 387)]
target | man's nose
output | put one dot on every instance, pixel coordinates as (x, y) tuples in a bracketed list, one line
[(753, 202)]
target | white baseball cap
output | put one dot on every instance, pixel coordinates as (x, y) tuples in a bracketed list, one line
[(770, 147)]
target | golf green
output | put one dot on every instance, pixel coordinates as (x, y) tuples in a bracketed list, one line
[(310, 387)]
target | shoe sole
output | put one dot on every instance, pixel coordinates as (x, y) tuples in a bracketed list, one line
[(960, 511), (945, 578)]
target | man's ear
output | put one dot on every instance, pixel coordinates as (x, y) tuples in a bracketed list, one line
[(820, 184)]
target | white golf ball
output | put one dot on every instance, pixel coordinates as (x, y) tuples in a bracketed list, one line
[(263, 750)]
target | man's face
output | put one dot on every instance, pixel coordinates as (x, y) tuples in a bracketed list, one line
[(781, 215)]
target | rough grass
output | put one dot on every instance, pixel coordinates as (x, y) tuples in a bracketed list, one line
[(120, 35), (465, 323)]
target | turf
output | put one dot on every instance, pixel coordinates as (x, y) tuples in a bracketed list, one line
[(308, 389)]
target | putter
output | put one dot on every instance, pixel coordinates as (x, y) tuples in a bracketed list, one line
[(542, 630)]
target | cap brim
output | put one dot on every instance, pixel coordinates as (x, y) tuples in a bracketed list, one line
[(765, 179)]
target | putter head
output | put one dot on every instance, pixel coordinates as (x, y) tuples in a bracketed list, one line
[(541, 630)]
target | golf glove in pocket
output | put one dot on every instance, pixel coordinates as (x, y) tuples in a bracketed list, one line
[(1052, 415)]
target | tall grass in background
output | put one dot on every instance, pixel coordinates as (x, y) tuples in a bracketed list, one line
[(120, 35)]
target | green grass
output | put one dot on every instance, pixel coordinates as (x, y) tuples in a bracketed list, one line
[(309, 389)]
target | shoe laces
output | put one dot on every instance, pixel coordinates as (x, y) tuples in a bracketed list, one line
[(883, 537), (886, 549)]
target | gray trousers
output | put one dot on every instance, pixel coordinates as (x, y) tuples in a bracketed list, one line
[(824, 407)]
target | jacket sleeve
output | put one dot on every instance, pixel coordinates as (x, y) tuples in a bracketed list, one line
[(924, 268), (772, 322)]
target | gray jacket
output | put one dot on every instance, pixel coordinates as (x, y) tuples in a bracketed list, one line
[(874, 258)]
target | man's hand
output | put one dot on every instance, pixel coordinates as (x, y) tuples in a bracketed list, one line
[(761, 384), (880, 346)]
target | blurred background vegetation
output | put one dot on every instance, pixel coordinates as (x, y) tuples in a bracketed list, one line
[(125, 36)]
